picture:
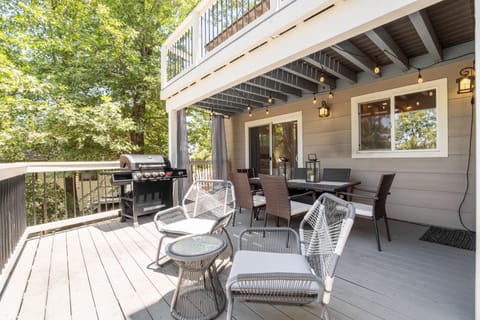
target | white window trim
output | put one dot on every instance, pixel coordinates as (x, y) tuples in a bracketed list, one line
[(273, 120), (442, 121)]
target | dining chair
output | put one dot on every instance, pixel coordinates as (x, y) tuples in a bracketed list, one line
[(245, 196), (264, 269), (206, 208), (373, 203), (279, 202)]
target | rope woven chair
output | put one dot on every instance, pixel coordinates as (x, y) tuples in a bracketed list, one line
[(245, 197), (207, 207), (265, 269)]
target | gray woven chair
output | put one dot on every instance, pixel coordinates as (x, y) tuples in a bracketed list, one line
[(280, 203), (265, 269), (207, 207), (245, 197)]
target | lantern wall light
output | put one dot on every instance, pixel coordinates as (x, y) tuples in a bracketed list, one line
[(466, 83)]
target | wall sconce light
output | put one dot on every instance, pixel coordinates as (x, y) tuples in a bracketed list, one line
[(466, 83), (324, 110)]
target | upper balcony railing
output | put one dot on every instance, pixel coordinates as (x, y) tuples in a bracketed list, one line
[(210, 24)]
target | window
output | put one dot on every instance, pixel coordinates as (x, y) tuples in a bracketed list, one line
[(402, 122)]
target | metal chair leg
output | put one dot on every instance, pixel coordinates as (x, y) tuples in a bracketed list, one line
[(377, 234), (388, 229)]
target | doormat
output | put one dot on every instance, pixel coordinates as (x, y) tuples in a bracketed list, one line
[(455, 238)]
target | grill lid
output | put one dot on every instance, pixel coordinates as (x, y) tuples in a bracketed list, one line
[(143, 162)]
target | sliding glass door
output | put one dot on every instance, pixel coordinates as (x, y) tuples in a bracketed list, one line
[(271, 141)]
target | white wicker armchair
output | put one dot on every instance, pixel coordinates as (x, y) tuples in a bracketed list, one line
[(207, 207), (265, 269)]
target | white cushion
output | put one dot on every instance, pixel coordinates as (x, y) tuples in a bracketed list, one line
[(363, 209), (258, 201), (253, 262), (189, 226), (299, 207)]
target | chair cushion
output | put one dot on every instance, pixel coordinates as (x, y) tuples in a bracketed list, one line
[(254, 263), (189, 226), (363, 209), (258, 201), (299, 208)]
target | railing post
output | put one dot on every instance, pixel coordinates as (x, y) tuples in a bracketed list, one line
[(196, 52), (163, 65), (274, 4)]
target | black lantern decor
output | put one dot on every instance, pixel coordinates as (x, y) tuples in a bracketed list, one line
[(313, 168), (282, 166)]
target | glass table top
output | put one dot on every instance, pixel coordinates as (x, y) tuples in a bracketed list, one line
[(198, 245)]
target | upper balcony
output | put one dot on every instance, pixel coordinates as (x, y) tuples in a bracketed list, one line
[(228, 54)]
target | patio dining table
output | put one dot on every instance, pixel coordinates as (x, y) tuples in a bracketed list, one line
[(319, 187)]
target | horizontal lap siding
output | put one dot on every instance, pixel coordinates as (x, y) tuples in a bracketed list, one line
[(425, 190)]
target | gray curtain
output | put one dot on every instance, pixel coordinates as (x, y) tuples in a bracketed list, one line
[(183, 161), (219, 148)]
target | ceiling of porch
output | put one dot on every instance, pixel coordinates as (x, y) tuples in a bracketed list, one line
[(409, 44)]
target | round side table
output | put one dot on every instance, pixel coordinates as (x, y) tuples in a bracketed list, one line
[(199, 294)]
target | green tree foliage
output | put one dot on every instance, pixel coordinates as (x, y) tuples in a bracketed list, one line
[(199, 134), (416, 130), (80, 79)]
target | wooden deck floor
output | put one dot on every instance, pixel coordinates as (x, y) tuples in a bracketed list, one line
[(105, 271)]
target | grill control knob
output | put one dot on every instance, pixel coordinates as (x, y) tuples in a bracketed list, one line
[(146, 175), (162, 174), (154, 174)]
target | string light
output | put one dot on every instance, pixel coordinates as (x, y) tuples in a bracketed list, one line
[(330, 95), (420, 78), (270, 100), (266, 110), (322, 77), (314, 99), (377, 70)]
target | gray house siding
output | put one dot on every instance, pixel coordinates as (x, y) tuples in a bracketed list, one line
[(425, 190)]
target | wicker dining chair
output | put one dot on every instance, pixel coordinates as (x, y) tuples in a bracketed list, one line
[(373, 203), (280, 203), (245, 197), (265, 269), (207, 207)]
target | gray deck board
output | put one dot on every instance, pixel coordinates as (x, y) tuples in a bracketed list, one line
[(106, 271)]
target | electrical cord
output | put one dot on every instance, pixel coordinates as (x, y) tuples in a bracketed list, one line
[(470, 232)]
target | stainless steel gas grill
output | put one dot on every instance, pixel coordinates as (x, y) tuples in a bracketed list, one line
[(146, 184)]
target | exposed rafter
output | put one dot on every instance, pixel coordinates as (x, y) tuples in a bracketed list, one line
[(274, 85), (309, 72), (261, 91), (424, 28), (382, 39), (332, 66), (216, 108), (237, 100), (290, 79), (349, 51), (245, 95)]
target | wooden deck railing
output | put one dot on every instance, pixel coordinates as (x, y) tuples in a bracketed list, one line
[(33, 195)]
